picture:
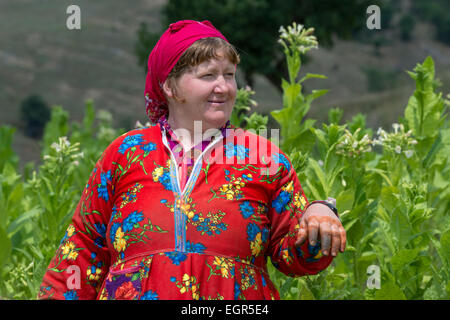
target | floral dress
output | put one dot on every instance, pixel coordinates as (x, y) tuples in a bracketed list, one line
[(139, 232)]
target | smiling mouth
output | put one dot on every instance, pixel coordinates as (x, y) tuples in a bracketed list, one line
[(217, 102)]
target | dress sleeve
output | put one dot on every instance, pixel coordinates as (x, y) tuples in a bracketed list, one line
[(285, 210), (80, 263)]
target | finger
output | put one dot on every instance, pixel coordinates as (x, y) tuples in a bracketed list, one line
[(343, 238), (313, 231), (302, 233), (325, 237), (336, 240)]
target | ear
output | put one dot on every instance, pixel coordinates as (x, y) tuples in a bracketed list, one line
[(167, 89)]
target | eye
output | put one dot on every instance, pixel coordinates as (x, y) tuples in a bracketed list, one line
[(207, 75)]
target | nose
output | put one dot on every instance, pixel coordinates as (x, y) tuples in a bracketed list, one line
[(221, 85)]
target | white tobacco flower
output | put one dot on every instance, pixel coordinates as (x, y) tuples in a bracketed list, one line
[(409, 153), (398, 149), (396, 126), (56, 146), (379, 131)]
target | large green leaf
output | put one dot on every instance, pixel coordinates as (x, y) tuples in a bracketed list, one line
[(403, 258), (389, 291), (5, 247)]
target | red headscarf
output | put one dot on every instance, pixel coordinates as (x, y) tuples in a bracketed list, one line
[(172, 44)]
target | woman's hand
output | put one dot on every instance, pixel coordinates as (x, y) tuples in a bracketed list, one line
[(318, 219)]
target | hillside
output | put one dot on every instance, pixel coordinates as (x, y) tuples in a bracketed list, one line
[(38, 54)]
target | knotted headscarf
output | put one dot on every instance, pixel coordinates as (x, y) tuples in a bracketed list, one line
[(166, 53)]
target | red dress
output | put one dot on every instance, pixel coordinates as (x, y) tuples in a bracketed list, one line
[(139, 232)]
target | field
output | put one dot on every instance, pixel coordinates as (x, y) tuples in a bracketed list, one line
[(387, 167)]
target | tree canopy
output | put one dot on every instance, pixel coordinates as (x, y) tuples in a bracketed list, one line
[(252, 27)]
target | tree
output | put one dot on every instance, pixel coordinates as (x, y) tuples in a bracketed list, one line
[(35, 113), (252, 26)]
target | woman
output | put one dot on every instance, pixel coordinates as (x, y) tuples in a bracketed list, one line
[(172, 211)]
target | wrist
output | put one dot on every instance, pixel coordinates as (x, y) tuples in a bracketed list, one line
[(326, 203)]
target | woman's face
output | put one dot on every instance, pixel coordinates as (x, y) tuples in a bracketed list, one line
[(207, 93)]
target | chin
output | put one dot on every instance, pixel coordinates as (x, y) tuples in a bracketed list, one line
[(217, 119)]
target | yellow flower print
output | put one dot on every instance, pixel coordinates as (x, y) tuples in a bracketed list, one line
[(224, 266), (69, 251), (68, 247), (256, 245), (186, 209), (231, 190), (93, 276), (224, 188), (289, 187), (188, 284), (299, 201), (286, 256), (230, 195), (72, 255), (120, 242), (70, 231), (157, 173)]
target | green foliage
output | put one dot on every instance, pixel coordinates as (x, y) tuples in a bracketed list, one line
[(436, 12), (391, 188), (394, 203), (251, 25), (36, 210)]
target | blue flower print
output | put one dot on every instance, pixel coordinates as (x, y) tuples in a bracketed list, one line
[(246, 209), (113, 231), (229, 150), (129, 142), (176, 257), (148, 147), (102, 188), (279, 204), (70, 295), (99, 242), (150, 295), (101, 229), (195, 247), (165, 180), (252, 231), (237, 290), (241, 152), (264, 234), (314, 251), (299, 252), (281, 158), (263, 280), (131, 220), (238, 151)]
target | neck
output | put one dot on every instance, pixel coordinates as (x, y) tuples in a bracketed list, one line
[(191, 132)]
